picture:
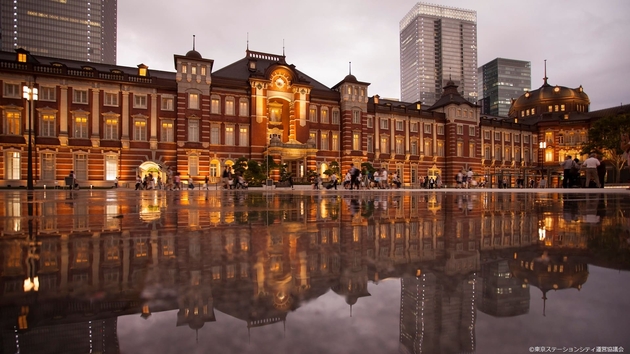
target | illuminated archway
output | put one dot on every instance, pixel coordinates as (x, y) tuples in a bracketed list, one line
[(153, 168)]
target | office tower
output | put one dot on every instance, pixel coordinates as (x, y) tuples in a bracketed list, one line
[(82, 30), (437, 44), (501, 81)]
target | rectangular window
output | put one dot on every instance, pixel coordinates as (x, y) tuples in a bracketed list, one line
[(385, 145), (47, 94), (399, 125), (110, 129), (312, 114), (167, 103), (12, 169), (486, 134), (427, 128), (471, 131), (324, 115), (440, 148), (383, 124), (400, 146), (497, 136), (229, 135), (81, 127), (81, 166), (356, 117), (243, 136), (243, 108), (550, 108), (12, 90), (215, 105), (486, 153), (370, 144), (428, 151), (471, 149), (312, 135), (335, 141), (370, 122), (460, 129), (80, 96), (140, 129), (229, 106), (14, 123), (167, 132), (414, 127), (139, 101), (414, 148), (111, 99), (193, 165), (533, 111), (526, 139), (193, 101), (517, 138), (324, 141), (440, 130), (460, 149), (111, 167), (356, 141), (214, 135), (497, 153), (193, 130), (48, 166), (335, 117), (507, 137)]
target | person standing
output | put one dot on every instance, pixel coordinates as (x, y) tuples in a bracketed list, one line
[(590, 165), (469, 177), (625, 146), (333, 180), (116, 182), (206, 182), (601, 170), (567, 165)]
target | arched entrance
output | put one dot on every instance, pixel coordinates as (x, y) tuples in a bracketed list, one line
[(153, 168)]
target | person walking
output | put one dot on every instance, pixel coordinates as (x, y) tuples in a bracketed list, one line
[(567, 165), (590, 165), (333, 181)]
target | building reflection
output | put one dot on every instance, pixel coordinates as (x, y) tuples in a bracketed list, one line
[(259, 256)]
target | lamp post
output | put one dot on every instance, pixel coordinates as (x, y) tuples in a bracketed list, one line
[(542, 145), (30, 94)]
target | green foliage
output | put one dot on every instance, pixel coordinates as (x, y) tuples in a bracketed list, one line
[(333, 168), (368, 166), (604, 137)]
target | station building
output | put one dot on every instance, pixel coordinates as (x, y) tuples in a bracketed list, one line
[(105, 121)]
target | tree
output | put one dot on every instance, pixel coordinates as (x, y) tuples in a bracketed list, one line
[(333, 168), (604, 137)]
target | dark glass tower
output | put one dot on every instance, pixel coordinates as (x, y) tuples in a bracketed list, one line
[(82, 30), (502, 80)]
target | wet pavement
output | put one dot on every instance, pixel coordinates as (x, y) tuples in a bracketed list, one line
[(303, 271)]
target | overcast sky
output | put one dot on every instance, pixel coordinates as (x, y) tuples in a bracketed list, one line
[(585, 42)]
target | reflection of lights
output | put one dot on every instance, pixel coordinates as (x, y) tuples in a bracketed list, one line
[(31, 284), (542, 233)]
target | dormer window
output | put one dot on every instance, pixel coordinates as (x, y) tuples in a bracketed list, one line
[(252, 65), (193, 70), (184, 68), (203, 71), (22, 57), (142, 70)]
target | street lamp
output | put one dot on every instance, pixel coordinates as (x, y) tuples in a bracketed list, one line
[(542, 145), (30, 94)]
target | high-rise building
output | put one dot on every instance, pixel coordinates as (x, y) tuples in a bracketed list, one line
[(437, 44), (82, 30), (501, 81)]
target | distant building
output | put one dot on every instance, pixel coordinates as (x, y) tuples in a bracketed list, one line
[(437, 44), (501, 81), (82, 30)]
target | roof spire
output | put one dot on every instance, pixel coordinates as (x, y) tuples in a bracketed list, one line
[(545, 78), (349, 68), (283, 47), (247, 40), (193, 42)]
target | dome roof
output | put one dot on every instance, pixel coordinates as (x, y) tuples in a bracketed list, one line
[(350, 78), (193, 54), (548, 94)]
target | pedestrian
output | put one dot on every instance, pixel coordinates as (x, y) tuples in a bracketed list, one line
[(116, 182), (138, 182), (206, 182), (567, 165), (333, 180), (590, 166), (601, 171)]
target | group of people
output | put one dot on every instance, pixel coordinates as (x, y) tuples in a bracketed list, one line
[(594, 172), (232, 180)]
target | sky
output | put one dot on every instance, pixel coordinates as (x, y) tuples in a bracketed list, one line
[(584, 42)]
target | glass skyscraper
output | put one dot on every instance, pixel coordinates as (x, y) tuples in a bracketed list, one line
[(501, 80), (82, 30), (437, 44)]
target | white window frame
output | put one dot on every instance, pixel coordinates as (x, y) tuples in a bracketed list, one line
[(12, 121), (80, 129), (79, 96), (413, 127), (230, 110), (167, 103), (428, 128), (243, 107), (110, 127), (243, 136), (335, 116), (193, 165), (215, 105), (324, 116), (140, 101), (460, 129), (140, 129), (80, 163), (110, 99), (47, 165), (12, 90), (229, 135), (111, 167), (472, 131), (215, 134), (167, 131), (356, 116), (193, 130), (356, 141), (13, 167), (194, 99), (400, 125), (47, 93), (384, 124)]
